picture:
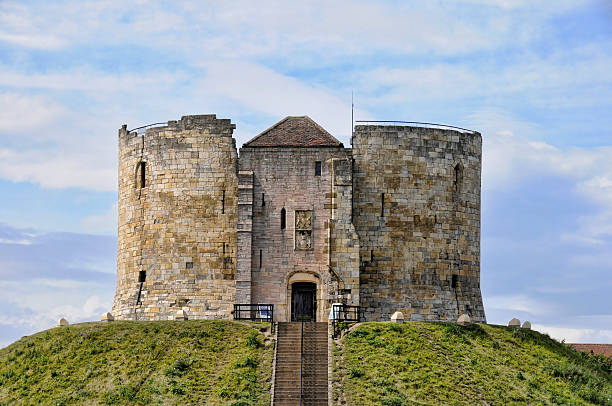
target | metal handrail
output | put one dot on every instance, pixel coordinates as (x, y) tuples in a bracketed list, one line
[(416, 122), (145, 126), (301, 361)]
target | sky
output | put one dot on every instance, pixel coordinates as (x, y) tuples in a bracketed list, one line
[(534, 77)]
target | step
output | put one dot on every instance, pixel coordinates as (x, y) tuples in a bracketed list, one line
[(307, 354)]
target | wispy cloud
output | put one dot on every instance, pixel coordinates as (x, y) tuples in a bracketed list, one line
[(575, 335), (54, 275)]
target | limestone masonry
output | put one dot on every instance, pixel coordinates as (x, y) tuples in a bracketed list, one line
[(298, 221)]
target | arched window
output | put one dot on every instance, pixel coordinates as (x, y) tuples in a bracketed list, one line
[(283, 218), (458, 177), (141, 174)]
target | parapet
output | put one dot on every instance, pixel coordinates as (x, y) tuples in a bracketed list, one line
[(220, 127)]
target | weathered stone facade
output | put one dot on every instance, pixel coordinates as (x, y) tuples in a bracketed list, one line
[(417, 214), (179, 225), (391, 224)]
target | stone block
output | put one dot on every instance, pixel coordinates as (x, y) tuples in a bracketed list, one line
[(397, 317), (107, 317), (464, 319)]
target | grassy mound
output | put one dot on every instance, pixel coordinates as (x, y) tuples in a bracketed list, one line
[(162, 362), (438, 363)]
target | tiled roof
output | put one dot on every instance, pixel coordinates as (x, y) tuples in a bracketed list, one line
[(294, 131), (601, 349)]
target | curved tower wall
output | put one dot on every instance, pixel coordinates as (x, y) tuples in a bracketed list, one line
[(181, 226), (416, 204)]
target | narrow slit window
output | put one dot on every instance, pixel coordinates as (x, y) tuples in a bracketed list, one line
[(382, 205), (318, 168), (458, 177), (141, 173), (142, 276), (263, 200), (283, 219), (223, 203), (371, 255), (260, 258), (223, 248), (454, 282)]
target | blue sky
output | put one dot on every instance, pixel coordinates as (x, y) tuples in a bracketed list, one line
[(534, 77)]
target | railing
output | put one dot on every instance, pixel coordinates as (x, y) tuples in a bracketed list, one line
[(141, 129), (301, 362), (255, 312), (418, 123), (342, 313)]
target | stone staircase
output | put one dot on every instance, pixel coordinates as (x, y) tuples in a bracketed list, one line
[(314, 368)]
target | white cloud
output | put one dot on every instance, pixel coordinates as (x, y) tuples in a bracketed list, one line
[(268, 28), (512, 153), (576, 335), (54, 169), (44, 301), (519, 303), (22, 241), (262, 90), (19, 112)]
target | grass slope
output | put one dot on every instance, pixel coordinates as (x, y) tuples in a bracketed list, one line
[(161, 362), (446, 364)]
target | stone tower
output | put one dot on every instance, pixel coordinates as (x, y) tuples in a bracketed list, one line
[(417, 212), (178, 187), (298, 221)]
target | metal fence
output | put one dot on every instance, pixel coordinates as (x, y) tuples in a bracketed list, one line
[(342, 313), (254, 312)]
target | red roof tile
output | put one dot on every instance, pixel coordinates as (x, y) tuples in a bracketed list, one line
[(294, 131), (601, 349)]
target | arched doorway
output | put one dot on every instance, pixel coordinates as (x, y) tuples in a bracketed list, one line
[(303, 301)]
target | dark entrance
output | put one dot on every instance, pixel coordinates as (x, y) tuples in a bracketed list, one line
[(303, 301)]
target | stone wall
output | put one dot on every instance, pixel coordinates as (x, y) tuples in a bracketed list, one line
[(344, 241), (417, 214), (180, 226), (285, 178)]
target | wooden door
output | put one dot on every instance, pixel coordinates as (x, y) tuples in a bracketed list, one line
[(303, 301)]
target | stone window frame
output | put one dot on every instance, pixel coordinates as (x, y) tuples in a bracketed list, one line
[(307, 231)]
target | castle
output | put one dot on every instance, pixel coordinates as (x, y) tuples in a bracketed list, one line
[(298, 221)]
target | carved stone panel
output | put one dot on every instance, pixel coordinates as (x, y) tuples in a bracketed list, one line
[(303, 229)]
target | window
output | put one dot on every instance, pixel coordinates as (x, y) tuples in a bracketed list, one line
[(283, 218), (454, 282), (318, 168), (260, 258), (142, 276), (189, 265), (141, 175), (303, 229), (223, 203), (458, 177), (263, 200), (382, 205)]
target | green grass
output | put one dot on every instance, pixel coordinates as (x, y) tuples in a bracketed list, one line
[(139, 363), (441, 363)]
